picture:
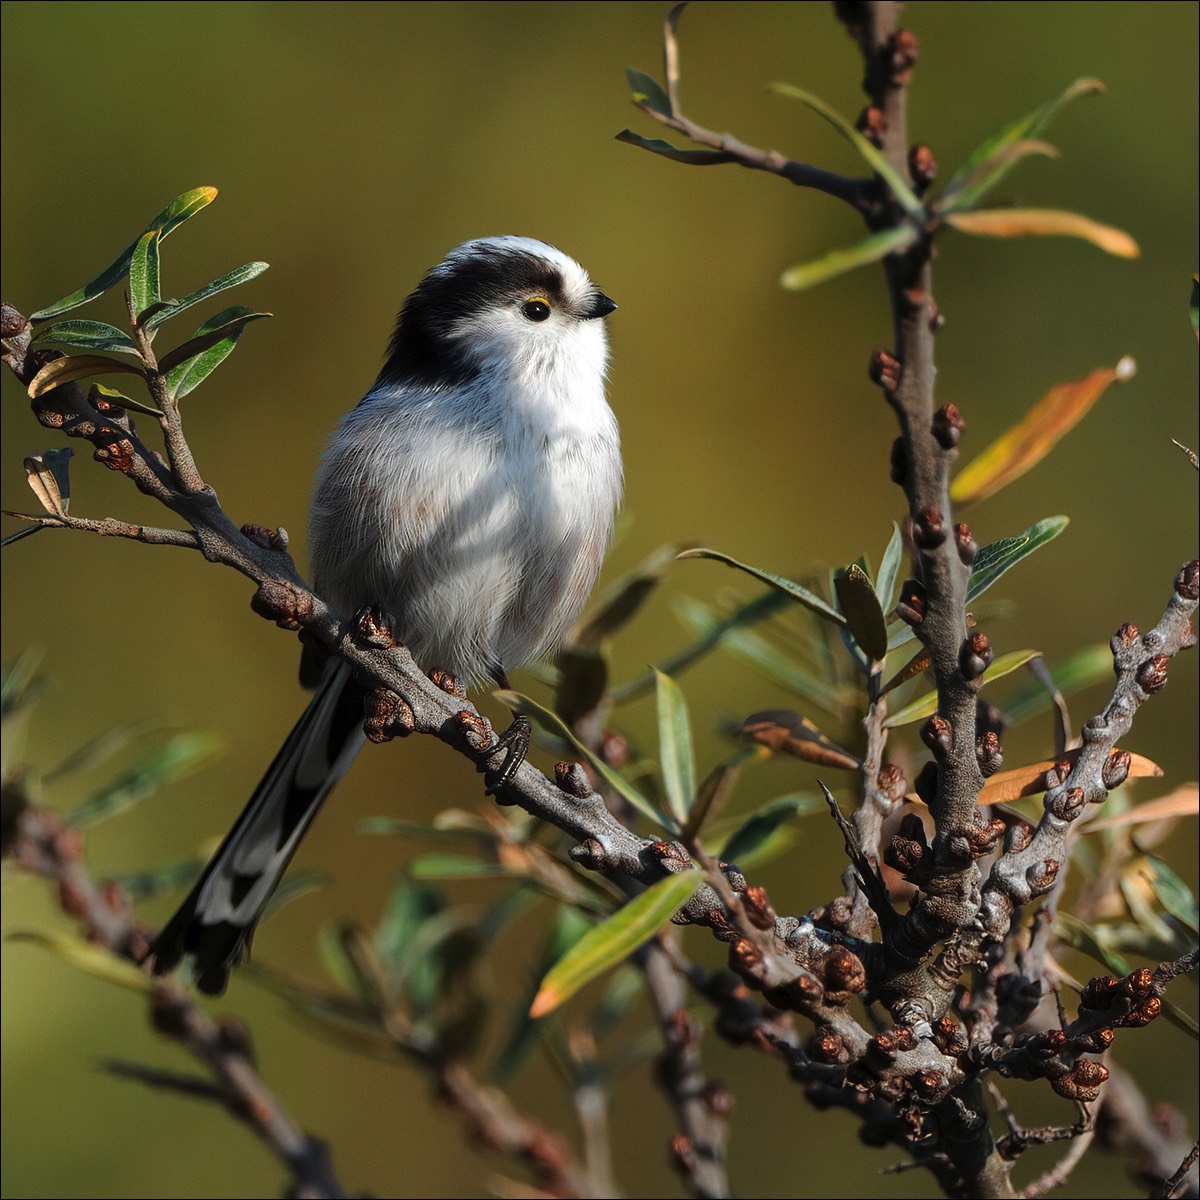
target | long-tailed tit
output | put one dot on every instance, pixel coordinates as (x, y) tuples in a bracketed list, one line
[(471, 495)]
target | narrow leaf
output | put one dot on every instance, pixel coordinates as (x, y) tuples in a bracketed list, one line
[(144, 286), (48, 475), (716, 788), (759, 827), (788, 732), (1091, 665), (88, 335), (627, 595), (874, 157), (911, 669), (613, 940), (98, 392), (648, 93), (1194, 306), (1044, 222), (1030, 780), (675, 747), (94, 959), (889, 570), (230, 279), (1173, 894), (1036, 434), (864, 615), (1182, 802), (78, 366), (838, 262), (966, 190), (178, 211), (552, 723), (228, 323), (453, 866), (810, 600), (693, 158), (926, 706), (998, 557), (969, 183)]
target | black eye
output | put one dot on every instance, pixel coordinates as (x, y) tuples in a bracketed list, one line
[(535, 309)]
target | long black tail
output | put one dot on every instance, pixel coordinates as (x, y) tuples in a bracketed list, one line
[(216, 922)]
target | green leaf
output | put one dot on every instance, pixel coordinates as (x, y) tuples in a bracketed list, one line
[(552, 723), (810, 600), (410, 906), (982, 179), (864, 616), (675, 747), (454, 866), (756, 829), (874, 157), (626, 596), (88, 335), (191, 364), (145, 289), (889, 570), (178, 211), (1044, 222), (96, 960), (648, 93), (614, 939), (98, 392), (926, 706), (694, 158), (349, 960), (1173, 894), (165, 764), (994, 559), (716, 788), (715, 631), (230, 279), (838, 262), (969, 183), (398, 827), (77, 366)]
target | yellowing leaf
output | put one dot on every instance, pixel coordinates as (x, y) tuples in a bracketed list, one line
[(1036, 434), (787, 732), (78, 366), (1044, 222), (1182, 802), (1031, 780), (611, 941)]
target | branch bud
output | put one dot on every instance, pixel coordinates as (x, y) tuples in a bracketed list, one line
[(929, 529), (758, 908), (905, 50), (938, 734), (989, 753), (975, 655), (1187, 582), (948, 425), (922, 166), (573, 779), (910, 608), (965, 544), (872, 125), (1116, 769), (1152, 674), (885, 370), (1067, 805)]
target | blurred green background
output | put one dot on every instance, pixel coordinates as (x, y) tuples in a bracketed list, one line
[(353, 145)]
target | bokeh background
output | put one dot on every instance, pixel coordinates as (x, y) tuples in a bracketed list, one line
[(353, 145)]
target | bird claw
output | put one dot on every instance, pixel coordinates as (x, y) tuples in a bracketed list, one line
[(515, 741)]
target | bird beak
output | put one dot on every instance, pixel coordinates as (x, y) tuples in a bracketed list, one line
[(600, 306)]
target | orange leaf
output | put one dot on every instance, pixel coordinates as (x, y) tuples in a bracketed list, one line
[(1031, 780), (1044, 222), (1036, 434), (788, 732), (1182, 802)]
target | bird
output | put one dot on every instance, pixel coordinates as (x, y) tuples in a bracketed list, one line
[(471, 495)]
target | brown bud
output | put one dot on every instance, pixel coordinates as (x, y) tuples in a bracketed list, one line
[(374, 626), (1082, 1082), (885, 370), (905, 1038), (719, 1100), (911, 606), (948, 425), (1041, 876), (746, 959), (965, 544), (12, 322), (1099, 992), (266, 539), (671, 854), (573, 779), (681, 1031), (1187, 582), (936, 320), (733, 876), (116, 455), (1145, 1012), (1116, 769), (282, 603), (844, 971), (950, 1037), (1125, 638), (905, 50), (883, 1045), (450, 684), (1019, 835), (614, 749), (758, 907), (476, 732), (899, 463), (387, 716), (1067, 805), (807, 989), (890, 782), (989, 753), (1058, 774), (929, 529), (929, 1084), (975, 655), (1138, 983), (1152, 674), (721, 926), (591, 855), (1097, 1041), (938, 734), (922, 166), (984, 832), (683, 1154), (904, 855), (872, 125), (826, 1046)]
